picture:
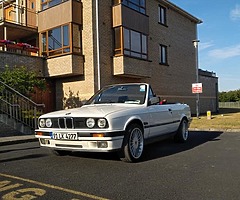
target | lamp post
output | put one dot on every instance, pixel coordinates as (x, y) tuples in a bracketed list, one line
[(195, 43)]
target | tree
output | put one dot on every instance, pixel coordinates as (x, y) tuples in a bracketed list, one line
[(22, 80), (230, 96)]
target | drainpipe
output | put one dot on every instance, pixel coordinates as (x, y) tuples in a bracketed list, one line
[(5, 37), (98, 57)]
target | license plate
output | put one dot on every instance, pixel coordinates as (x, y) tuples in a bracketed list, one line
[(64, 136)]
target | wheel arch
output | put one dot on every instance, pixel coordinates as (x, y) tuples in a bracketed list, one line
[(134, 120), (184, 117)]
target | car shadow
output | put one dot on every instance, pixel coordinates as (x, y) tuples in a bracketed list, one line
[(160, 149), (169, 147)]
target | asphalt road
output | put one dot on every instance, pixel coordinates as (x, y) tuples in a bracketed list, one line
[(207, 167)]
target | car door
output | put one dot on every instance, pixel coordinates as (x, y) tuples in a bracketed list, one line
[(160, 120), (176, 114)]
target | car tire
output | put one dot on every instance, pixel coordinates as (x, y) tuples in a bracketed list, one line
[(133, 144), (182, 134), (60, 152)]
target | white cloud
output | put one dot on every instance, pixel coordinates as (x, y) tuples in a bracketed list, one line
[(205, 45), (226, 52), (235, 13)]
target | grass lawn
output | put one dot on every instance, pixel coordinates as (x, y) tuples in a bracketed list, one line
[(226, 119)]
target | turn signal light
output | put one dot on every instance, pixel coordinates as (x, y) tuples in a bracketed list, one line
[(98, 135), (39, 133)]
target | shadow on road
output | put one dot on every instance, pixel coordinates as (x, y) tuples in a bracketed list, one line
[(228, 110), (19, 149), (169, 147), (23, 158), (162, 148)]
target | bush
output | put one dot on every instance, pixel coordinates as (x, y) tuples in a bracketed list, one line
[(231, 96), (22, 80)]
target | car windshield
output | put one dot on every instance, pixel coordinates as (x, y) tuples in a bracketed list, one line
[(129, 94)]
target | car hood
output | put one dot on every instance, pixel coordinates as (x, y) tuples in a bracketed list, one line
[(96, 110)]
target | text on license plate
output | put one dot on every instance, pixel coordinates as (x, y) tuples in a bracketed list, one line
[(64, 136)]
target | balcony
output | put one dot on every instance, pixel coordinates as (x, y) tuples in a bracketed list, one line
[(19, 48), (17, 21), (131, 67), (12, 13), (66, 12), (64, 66), (127, 17)]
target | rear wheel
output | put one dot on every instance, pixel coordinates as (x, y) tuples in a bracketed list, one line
[(182, 132), (133, 144)]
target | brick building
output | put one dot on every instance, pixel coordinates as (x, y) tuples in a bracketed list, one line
[(79, 51)]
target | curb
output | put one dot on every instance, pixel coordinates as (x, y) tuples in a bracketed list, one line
[(17, 140)]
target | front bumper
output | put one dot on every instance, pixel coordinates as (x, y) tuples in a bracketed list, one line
[(111, 141)]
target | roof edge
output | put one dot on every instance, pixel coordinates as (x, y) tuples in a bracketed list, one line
[(181, 11)]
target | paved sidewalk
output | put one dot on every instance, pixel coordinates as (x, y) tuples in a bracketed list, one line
[(17, 139)]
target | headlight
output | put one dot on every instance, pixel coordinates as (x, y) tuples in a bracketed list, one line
[(48, 123), (90, 122), (42, 123), (102, 123)]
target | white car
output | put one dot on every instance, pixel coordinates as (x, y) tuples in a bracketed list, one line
[(122, 117)]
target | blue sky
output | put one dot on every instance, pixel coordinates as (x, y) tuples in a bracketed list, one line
[(219, 35)]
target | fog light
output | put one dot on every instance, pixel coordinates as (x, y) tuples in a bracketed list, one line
[(102, 144), (43, 141)]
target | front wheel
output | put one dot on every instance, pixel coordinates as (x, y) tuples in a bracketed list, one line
[(133, 143), (182, 132)]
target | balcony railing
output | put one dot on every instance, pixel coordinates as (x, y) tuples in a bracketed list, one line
[(18, 15), (21, 48)]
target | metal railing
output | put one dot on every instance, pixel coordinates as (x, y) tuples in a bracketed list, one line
[(18, 107)]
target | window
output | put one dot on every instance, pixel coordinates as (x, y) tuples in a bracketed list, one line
[(117, 34), (57, 40), (131, 43), (44, 42), (50, 3), (135, 44), (163, 54), (54, 39), (138, 5), (44, 4), (151, 94), (162, 15)]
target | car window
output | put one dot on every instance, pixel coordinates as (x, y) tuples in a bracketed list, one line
[(151, 94), (131, 94)]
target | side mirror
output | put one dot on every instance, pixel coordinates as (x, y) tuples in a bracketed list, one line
[(153, 101)]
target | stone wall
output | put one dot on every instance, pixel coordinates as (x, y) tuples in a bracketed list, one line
[(33, 63)]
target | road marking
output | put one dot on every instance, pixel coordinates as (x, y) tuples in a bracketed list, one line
[(54, 187)]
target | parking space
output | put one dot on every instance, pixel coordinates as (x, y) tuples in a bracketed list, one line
[(14, 187), (206, 167)]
